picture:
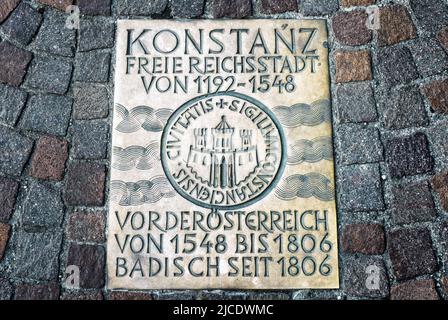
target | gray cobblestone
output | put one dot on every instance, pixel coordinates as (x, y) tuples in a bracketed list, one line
[(49, 74), (90, 139), (92, 66), (396, 65), (403, 108), (15, 150), (356, 277), (12, 101), (42, 207), (54, 37), (431, 15), (429, 50), (187, 8), (47, 114), (360, 188), (319, 7), (356, 103), (22, 24)]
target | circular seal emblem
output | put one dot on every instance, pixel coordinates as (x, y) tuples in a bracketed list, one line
[(223, 150)]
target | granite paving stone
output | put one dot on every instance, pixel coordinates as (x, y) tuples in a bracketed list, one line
[(359, 144), (187, 8), (319, 7), (141, 7), (14, 62), (396, 25), (356, 277), (15, 150), (350, 28), (360, 188), (49, 74), (415, 290), (22, 24), (12, 101), (54, 37), (96, 34), (85, 184), (363, 238), (42, 207), (429, 50), (91, 101), (403, 108), (92, 66), (91, 260), (94, 7), (411, 253), (431, 15), (47, 114), (356, 103), (231, 8), (29, 291), (408, 156), (396, 65), (37, 254), (412, 202), (7, 7), (49, 158), (8, 193), (89, 139)]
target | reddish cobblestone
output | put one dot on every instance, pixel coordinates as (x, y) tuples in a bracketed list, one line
[(350, 28), (26, 291), (14, 62), (6, 8), (440, 185), (363, 238), (352, 66), (49, 158), (396, 26), (4, 237), (87, 226), (437, 94), (414, 290)]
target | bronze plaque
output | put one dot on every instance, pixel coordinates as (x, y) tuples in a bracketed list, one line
[(222, 171)]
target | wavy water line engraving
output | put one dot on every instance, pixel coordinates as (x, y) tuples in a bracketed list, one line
[(139, 157), (310, 151), (141, 192), (302, 114), (308, 185), (145, 117)]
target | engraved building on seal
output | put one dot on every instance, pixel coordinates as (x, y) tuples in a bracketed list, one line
[(217, 160)]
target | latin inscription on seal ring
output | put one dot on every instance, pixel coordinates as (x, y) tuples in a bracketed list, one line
[(223, 150)]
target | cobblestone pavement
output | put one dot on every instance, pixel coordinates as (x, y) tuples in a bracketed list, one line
[(390, 110)]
